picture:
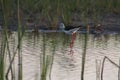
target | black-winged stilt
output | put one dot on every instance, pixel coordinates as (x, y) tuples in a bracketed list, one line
[(71, 31)]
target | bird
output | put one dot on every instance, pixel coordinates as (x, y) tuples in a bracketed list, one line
[(71, 31), (97, 29)]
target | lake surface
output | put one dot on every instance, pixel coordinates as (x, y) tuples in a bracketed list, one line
[(65, 65)]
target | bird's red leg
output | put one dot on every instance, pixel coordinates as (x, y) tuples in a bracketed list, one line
[(72, 43)]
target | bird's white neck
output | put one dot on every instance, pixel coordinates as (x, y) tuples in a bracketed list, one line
[(62, 27)]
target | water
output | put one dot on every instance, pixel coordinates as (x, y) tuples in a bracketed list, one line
[(67, 66)]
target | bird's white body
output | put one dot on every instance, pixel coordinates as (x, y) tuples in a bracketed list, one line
[(71, 31)]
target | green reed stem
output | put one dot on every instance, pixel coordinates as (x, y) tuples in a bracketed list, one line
[(19, 44), (102, 68), (9, 54), (119, 71), (4, 43), (47, 60), (43, 65), (98, 67), (52, 57), (103, 63), (84, 54), (45, 68)]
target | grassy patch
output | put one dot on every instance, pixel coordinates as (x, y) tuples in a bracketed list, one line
[(59, 10)]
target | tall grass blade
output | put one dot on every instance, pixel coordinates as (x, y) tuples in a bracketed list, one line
[(54, 43), (84, 54), (119, 71), (98, 67), (5, 41), (103, 63), (20, 34)]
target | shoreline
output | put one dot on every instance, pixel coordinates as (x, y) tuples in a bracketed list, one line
[(109, 22)]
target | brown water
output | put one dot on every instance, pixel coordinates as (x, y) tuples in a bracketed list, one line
[(66, 66)]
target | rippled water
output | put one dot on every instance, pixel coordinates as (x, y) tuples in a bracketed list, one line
[(67, 66)]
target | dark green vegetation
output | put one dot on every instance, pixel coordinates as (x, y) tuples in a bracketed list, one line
[(49, 13)]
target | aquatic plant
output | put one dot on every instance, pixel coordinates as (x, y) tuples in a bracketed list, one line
[(103, 63), (84, 53), (47, 59), (5, 44), (6, 48), (119, 71), (19, 44), (98, 67)]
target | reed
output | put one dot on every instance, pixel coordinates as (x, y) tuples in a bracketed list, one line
[(5, 44), (2, 62), (6, 48), (98, 67), (20, 34), (47, 59), (119, 71), (53, 44), (102, 69), (103, 63), (11, 68), (84, 54)]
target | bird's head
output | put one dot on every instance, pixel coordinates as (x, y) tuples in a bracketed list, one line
[(62, 26)]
